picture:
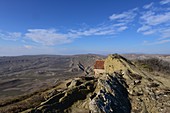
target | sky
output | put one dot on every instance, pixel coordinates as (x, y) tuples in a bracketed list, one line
[(66, 27)]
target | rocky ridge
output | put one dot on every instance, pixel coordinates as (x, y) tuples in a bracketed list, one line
[(124, 88)]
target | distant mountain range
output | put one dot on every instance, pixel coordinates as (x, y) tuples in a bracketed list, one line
[(56, 83)]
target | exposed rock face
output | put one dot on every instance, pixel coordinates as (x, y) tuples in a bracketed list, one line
[(106, 94), (111, 95), (115, 63), (124, 88)]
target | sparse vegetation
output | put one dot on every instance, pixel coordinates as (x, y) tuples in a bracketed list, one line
[(88, 93), (26, 74), (154, 65), (26, 101)]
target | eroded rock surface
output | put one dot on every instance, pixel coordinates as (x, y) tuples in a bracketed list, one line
[(105, 94), (111, 95), (124, 88)]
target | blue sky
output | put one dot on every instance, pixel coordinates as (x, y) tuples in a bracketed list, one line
[(29, 27)]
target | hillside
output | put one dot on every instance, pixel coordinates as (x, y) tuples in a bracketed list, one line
[(124, 87), (26, 74)]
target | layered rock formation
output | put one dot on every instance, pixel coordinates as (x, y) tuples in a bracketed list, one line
[(123, 88), (105, 94)]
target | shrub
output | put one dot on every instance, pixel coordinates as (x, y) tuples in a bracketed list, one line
[(155, 64)]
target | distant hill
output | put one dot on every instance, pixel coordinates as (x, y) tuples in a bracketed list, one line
[(125, 87), (23, 74)]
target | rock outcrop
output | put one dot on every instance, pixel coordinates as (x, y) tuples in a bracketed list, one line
[(105, 94), (116, 62), (123, 88), (111, 95)]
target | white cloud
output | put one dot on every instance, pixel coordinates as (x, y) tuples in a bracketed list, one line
[(159, 19), (154, 18), (149, 32), (166, 33), (155, 21), (28, 46), (53, 37), (109, 30), (100, 30), (47, 36), (144, 28), (124, 17), (10, 35), (164, 2), (122, 28), (156, 42), (147, 6), (163, 41)]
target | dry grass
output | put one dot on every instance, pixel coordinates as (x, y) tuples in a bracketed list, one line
[(24, 102), (154, 65)]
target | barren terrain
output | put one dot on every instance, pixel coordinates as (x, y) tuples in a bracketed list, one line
[(40, 84), (25, 74)]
